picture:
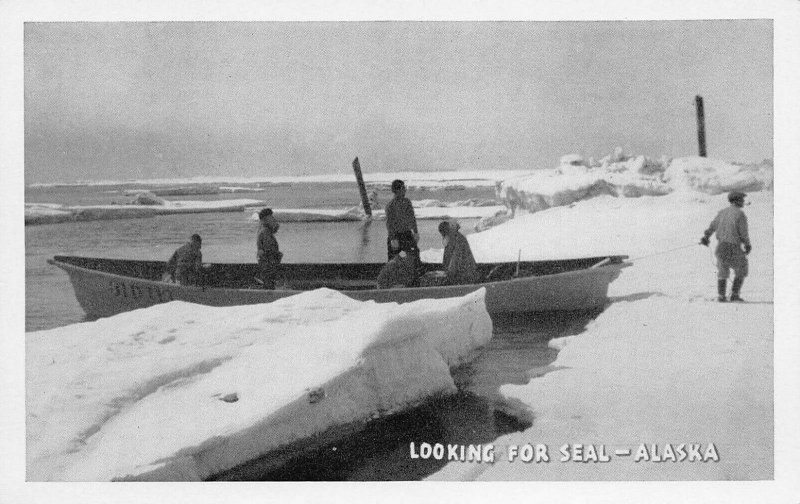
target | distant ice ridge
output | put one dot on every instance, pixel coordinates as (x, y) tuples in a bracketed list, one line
[(433, 180), (629, 176), (428, 209), (182, 392), (144, 204), (148, 205)]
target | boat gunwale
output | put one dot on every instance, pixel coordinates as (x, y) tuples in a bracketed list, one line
[(623, 263)]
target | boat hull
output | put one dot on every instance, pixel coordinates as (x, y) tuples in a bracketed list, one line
[(102, 294)]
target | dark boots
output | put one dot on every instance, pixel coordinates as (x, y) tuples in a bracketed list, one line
[(735, 289), (722, 285), (737, 286)]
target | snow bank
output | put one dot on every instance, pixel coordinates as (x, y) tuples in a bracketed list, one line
[(664, 364), (47, 213), (713, 176), (192, 190), (457, 212), (428, 210), (235, 189), (604, 225), (619, 175), (183, 392), (143, 206)]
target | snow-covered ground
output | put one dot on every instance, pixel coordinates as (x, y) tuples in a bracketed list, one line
[(182, 392), (664, 364)]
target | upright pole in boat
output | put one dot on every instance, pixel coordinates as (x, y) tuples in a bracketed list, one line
[(362, 188), (519, 259), (701, 125)]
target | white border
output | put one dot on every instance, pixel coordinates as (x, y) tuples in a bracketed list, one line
[(786, 16)]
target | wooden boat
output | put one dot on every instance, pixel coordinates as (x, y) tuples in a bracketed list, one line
[(106, 287)]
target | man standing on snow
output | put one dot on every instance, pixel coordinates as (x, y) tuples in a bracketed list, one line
[(269, 256), (730, 226)]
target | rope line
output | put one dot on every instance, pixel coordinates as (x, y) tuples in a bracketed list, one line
[(663, 252)]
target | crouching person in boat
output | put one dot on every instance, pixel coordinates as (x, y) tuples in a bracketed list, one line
[(186, 264), (269, 256), (458, 261), (400, 271)]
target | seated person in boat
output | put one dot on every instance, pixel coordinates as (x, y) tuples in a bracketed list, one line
[(186, 264), (400, 271), (269, 256), (458, 261)]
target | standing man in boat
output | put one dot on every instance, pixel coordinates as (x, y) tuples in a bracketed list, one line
[(458, 261), (269, 256), (401, 224), (730, 226), (186, 264)]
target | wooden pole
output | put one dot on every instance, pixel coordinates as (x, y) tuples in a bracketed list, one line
[(362, 189), (701, 125)]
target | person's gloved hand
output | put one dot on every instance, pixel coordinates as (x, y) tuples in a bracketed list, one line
[(395, 244), (704, 241), (747, 248)]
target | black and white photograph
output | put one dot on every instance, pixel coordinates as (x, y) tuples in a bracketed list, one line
[(526, 245)]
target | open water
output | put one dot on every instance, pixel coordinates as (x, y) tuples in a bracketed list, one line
[(227, 236)]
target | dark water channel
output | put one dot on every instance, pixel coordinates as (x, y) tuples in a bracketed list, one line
[(477, 414)]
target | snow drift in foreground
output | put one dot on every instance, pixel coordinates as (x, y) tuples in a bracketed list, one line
[(622, 176), (182, 392)]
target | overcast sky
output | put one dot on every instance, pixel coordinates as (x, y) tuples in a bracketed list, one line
[(144, 100)]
